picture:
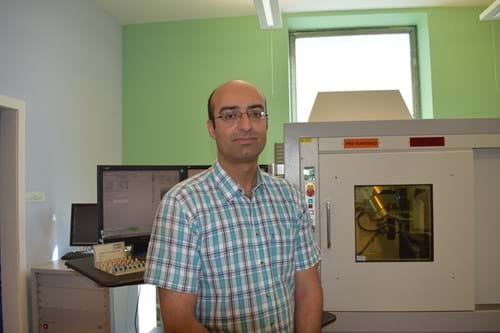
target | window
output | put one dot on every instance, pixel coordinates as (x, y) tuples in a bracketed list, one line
[(354, 59), (393, 222)]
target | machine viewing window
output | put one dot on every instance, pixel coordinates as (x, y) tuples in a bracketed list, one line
[(393, 223)]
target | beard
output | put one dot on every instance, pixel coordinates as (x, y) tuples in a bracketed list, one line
[(242, 147)]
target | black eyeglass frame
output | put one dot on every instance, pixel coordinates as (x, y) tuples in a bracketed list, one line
[(239, 114)]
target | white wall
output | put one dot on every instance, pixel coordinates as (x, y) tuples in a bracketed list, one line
[(63, 58)]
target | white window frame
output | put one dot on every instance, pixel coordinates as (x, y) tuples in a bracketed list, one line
[(410, 30)]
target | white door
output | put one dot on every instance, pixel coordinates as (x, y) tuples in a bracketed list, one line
[(443, 283)]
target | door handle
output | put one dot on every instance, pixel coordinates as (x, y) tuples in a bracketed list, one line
[(328, 224)]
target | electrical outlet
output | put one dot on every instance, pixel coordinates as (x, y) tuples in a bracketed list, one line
[(35, 196)]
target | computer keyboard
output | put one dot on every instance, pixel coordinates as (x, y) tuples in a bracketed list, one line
[(76, 255)]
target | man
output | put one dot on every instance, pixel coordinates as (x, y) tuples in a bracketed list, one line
[(232, 248)]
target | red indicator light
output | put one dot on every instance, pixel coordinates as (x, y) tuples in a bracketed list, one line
[(435, 141)]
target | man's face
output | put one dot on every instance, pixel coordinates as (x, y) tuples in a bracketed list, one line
[(241, 140)]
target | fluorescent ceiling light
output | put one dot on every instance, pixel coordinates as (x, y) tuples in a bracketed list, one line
[(492, 12), (269, 14)]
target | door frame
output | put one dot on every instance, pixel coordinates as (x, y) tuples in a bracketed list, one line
[(12, 215)]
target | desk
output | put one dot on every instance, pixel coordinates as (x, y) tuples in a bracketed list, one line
[(327, 318), (86, 267)]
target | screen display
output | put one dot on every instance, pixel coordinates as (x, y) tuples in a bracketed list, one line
[(129, 196), (193, 170), (84, 224)]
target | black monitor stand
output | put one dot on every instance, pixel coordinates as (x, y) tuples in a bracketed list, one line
[(139, 249)]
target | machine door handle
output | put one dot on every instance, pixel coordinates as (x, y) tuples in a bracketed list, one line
[(328, 224)]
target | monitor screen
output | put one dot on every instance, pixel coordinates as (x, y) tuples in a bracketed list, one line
[(266, 168), (128, 197), (84, 224), (196, 169)]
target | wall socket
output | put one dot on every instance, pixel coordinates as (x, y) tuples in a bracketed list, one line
[(35, 196)]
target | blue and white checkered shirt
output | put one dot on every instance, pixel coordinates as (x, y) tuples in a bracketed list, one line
[(238, 254)]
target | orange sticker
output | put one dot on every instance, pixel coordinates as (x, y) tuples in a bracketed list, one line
[(361, 143)]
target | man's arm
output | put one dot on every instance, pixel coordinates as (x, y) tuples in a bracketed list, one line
[(308, 301), (177, 311)]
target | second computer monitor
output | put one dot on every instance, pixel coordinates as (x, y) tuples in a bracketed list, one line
[(84, 224)]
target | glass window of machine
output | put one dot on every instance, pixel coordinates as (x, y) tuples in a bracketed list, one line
[(393, 222)]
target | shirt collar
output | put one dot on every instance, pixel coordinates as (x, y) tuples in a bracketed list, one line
[(228, 186)]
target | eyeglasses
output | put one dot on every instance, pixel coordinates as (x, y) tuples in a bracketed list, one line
[(230, 116)]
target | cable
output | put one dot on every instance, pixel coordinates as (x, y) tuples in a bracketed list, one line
[(359, 214), (137, 309), (400, 216), (368, 243)]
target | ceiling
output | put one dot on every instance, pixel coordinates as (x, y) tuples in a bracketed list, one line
[(142, 11)]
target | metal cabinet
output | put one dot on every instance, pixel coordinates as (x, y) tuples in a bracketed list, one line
[(406, 215), (65, 301)]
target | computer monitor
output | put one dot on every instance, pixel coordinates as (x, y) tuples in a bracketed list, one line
[(193, 170), (128, 197), (196, 169), (266, 168), (84, 224)]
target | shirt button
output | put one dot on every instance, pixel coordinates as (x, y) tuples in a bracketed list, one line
[(262, 263), (267, 295)]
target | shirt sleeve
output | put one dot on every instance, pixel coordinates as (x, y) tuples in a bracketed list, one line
[(173, 259), (307, 252)]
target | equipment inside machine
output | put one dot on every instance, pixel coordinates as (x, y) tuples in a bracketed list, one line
[(393, 222)]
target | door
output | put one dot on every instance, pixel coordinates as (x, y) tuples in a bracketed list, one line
[(397, 230)]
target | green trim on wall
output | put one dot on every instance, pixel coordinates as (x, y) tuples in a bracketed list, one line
[(169, 70)]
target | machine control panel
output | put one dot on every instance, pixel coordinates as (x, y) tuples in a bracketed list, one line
[(310, 192)]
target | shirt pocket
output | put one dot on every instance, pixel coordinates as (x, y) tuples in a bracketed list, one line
[(281, 249)]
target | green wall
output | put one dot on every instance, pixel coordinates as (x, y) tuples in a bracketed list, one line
[(171, 68), (465, 61)]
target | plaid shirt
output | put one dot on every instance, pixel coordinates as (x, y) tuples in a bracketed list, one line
[(237, 254)]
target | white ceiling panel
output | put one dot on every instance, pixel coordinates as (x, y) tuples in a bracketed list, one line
[(142, 11)]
